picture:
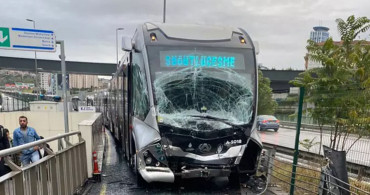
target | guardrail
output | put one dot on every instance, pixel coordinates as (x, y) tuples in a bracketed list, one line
[(305, 126), (59, 173)]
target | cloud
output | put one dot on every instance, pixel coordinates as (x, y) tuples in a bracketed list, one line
[(89, 26)]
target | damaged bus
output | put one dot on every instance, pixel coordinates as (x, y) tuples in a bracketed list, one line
[(183, 103)]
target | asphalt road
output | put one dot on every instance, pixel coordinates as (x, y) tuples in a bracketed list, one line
[(359, 153)]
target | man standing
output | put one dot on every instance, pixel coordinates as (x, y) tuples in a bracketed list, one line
[(24, 135)]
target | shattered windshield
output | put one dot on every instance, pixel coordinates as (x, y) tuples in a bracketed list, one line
[(190, 82)]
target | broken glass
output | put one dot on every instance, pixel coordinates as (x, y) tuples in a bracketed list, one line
[(222, 93)]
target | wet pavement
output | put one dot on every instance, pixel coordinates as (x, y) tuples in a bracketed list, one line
[(118, 178)]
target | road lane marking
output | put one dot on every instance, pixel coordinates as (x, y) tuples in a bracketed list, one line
[(103, 189), (108, 151)]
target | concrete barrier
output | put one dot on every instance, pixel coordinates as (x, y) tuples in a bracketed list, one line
[(93, 133)]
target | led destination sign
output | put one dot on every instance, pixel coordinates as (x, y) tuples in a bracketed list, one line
[(201, 59)]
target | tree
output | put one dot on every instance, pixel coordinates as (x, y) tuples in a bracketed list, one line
[(266, 105), (340, 89)]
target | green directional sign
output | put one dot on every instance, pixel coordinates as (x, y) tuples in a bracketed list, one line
[(27, 39), (4, 37)]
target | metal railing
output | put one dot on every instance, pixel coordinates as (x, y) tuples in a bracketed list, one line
[(305, 126), (14, 104), (59, 173), (309, 178)]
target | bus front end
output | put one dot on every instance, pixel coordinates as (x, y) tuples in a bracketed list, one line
[(204, 88)]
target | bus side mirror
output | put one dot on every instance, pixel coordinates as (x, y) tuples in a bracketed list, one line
[(126, 44)]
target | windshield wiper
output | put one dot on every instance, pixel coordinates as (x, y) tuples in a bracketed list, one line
[(221, 120)]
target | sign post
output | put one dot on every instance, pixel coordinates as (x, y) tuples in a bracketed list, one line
[(296, 145), (65, 100), (36, 40)]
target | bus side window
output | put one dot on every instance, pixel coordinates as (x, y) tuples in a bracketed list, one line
[(139, 89)]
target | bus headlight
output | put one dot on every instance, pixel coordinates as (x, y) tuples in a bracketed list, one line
[(148, 161), (154, 155)]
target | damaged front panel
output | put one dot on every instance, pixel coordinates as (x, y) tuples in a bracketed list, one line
[(201, 82), (204, 100), (195, 91)]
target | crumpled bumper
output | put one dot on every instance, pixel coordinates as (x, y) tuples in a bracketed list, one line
[(157, 174)]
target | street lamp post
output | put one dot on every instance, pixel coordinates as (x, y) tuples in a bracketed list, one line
[(34, 27), (164, 11), (117, 29)]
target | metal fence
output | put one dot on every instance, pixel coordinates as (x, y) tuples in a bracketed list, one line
[(59, 173), (10, 104), (337, 117), (310, 177)]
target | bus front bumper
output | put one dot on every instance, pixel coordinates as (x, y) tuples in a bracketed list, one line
[(157, 174), (204, 173)]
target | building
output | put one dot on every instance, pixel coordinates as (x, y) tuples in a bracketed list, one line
[(45, 81), (83, 81), (53, 84), (319, 34)]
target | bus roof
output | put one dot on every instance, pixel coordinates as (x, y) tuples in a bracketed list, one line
[(193, 31)]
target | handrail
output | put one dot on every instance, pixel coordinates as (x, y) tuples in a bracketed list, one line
[(17, 149)]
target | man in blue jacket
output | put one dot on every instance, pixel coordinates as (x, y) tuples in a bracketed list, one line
[(24, 135)]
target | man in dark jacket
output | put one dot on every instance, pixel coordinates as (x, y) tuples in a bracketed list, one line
[(4, 144), (42, 151)]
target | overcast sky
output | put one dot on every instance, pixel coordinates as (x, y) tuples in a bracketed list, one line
[(88, 27)]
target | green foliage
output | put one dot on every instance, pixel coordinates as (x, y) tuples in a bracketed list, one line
[(266, 105), (307, 143), (11, 78), (340, 89)]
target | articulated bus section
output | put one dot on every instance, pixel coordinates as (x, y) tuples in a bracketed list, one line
[(182, 103)]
